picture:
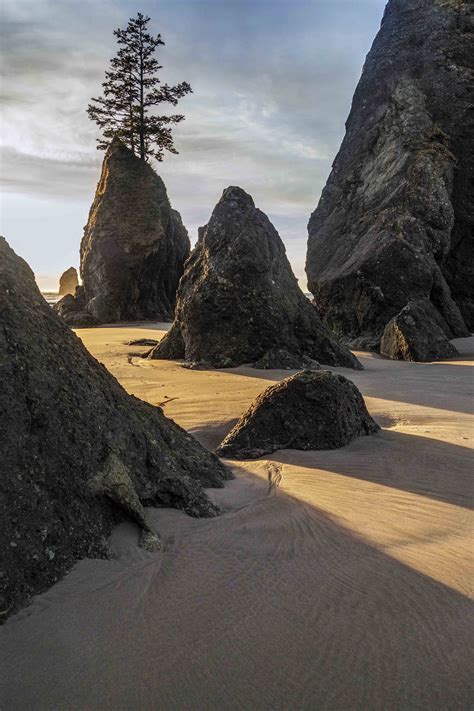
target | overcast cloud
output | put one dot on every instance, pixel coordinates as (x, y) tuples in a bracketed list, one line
[(272, 82)]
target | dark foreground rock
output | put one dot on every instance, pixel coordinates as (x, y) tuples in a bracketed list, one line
[(238, 297), (395, 222), (68, 282), (414, 334), (77, 453), (134, 245), (308, 410)]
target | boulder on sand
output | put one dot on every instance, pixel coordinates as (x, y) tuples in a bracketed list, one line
[(68, 282), (414, 334), (238, 297), (78, 454), (395, 221), (134, 245), (309, 410)]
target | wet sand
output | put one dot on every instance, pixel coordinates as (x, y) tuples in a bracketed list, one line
[(332, 580)]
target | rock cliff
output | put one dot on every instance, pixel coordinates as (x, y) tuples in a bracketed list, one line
[(395, 222), (238, 298), (77, 453)]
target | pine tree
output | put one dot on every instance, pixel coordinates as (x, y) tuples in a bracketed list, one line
[(131, 89)]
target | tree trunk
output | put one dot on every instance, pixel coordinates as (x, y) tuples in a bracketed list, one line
[(130, 105), (142, 122)]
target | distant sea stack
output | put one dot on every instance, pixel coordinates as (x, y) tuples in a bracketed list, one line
[(395, 222), (68, 282), (134, 245), (78, 454), (238, 298)]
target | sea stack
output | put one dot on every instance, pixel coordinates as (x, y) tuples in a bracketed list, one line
[(238, 298), (78, 453), (68, 282), (395, 222), (134, 245)]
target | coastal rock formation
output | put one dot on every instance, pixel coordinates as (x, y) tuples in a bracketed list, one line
[(78, 454), (395, 222), (72, 310), (416, 333), (134, 245), (68, 282), (238, 297), (308, 410)]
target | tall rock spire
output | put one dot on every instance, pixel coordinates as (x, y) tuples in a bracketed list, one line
[(395, 222), (134, 245)]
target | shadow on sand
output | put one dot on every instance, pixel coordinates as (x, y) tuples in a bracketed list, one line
[(419, 465), (272, 605)]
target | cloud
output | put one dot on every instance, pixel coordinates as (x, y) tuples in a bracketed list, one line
[(272, 87)]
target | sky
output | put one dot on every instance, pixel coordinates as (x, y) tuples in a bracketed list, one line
[(272, 86)]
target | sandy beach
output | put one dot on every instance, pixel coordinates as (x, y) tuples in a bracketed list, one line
[(332, 580)]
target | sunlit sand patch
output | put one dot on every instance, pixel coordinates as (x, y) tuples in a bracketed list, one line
[(432, 537), (389, 489)]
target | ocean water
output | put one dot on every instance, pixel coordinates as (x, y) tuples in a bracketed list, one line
[(50, 297)]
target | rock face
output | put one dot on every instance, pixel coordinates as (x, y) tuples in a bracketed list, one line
[(395, 222), (68, 282), (77, 453), (308, 410), (134, 245), (238, 297), (416, 333), (279, 358)]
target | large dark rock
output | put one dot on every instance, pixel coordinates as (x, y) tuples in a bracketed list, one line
[(134, 245), (77, 453), (416, 334), (321, 410), (395, 222), (238, 297), (68, 282)]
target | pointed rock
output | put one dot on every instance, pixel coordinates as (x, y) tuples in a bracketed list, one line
[(416, 334), (77, 453), (395, 220), (238, 297), (134, 245), (68, 282), (321, 410)]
